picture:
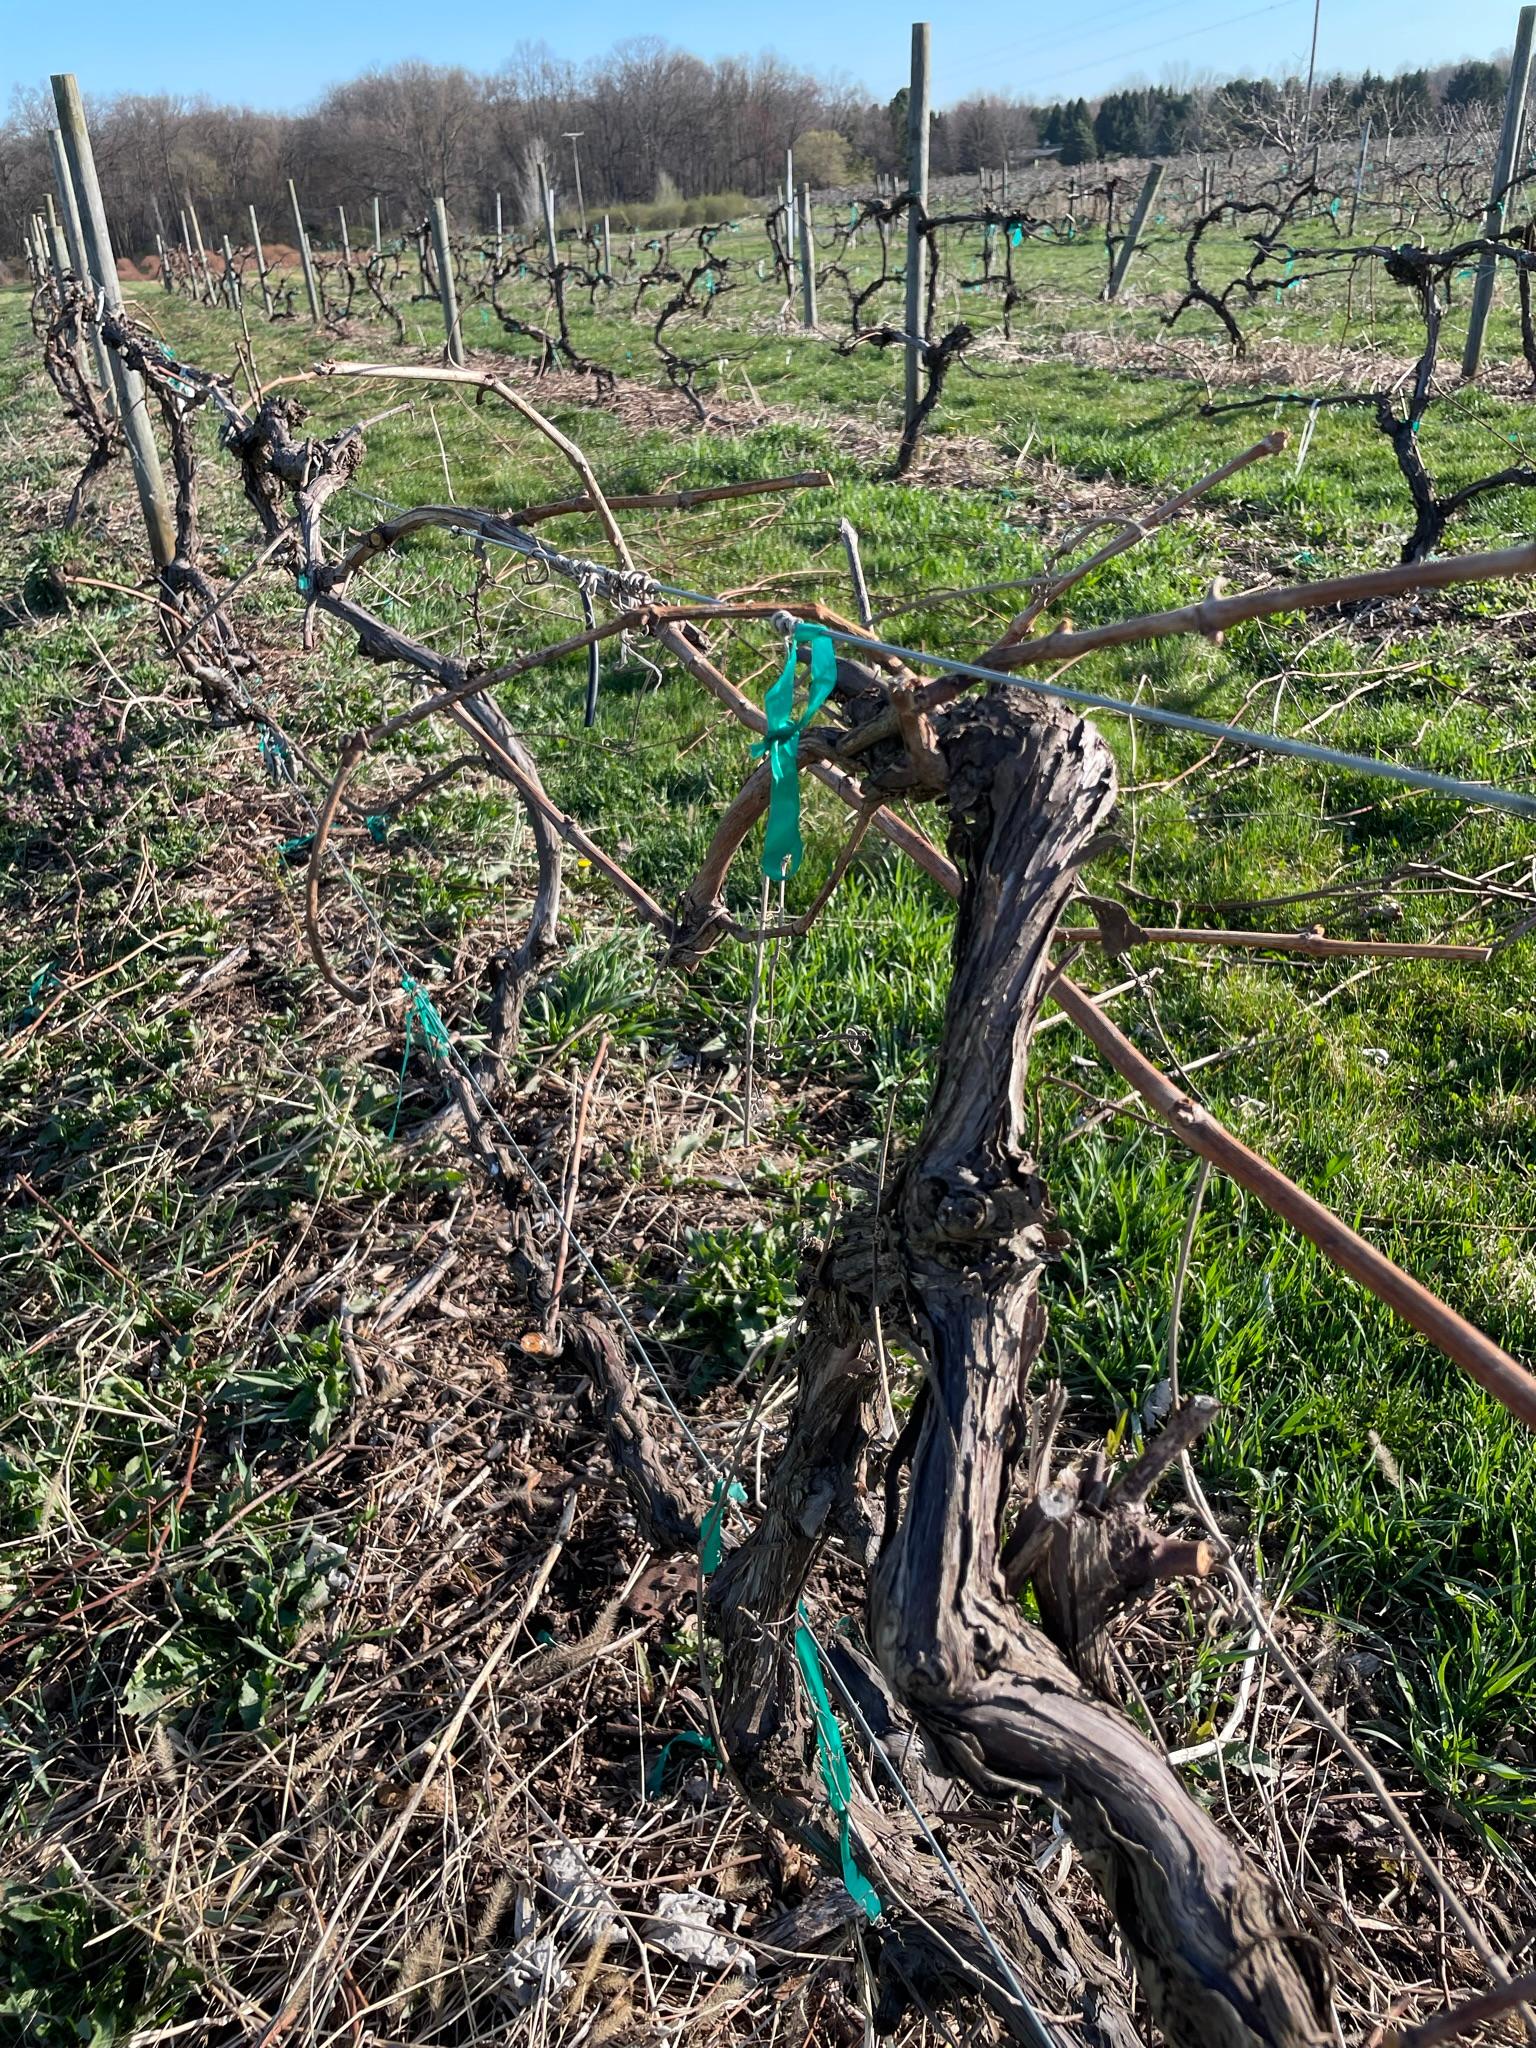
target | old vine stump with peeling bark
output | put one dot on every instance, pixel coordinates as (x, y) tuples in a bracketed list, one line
[(956, 1269)]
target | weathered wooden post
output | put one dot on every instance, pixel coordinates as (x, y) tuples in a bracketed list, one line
[(79, 263), (346, 240), (163, 245), (607, 249), (186, 250), (917, 214), (202, 254), (807, 261), (378, 239), (445, 290), (547, 199), (498, 227), (231, 278), (1354, 204), (1133, 232), (102, 269), (261, 261), (58, 255), (1503, 171), (308, 261)]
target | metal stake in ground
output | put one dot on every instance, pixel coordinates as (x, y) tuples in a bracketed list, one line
[(1503, 172), (445, 290), (807, 261), (81, 167), (917, 213), (305, 258), (1133, 232)]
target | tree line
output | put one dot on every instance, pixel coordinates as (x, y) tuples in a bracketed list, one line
[(1160, 120), (646, 124)]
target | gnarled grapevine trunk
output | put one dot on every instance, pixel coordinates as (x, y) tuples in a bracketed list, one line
[(1216, 1952), (958, 1267)]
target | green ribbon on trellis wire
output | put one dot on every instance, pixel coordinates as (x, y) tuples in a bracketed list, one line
[(783, 848), (420, 1017), (712, 1534), (834, 1765)]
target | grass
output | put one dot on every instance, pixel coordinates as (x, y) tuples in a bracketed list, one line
[(184, 1170)]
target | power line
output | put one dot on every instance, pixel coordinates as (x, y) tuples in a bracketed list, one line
[(1183, 36)]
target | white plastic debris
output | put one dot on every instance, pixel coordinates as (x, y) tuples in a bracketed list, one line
[(589, 1910), (534, 1971), (683, 1928)]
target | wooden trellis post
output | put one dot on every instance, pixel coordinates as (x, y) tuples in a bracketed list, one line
[(1503, 171), (102, 270), (202, 252), (1133, 232), (74, 242), (1365, 143), (807, 261), (917, 187), (445, 291), (261, 261), (308, 261)]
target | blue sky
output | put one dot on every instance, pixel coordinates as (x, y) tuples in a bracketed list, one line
[(287, 51)]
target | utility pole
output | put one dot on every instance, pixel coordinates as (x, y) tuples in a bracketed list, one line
[(573, 136), (917, 211)]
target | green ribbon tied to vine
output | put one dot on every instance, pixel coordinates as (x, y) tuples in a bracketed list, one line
[(783, 848), (834, 1765)]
